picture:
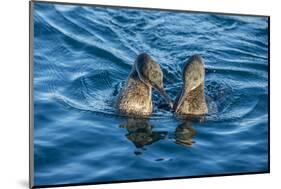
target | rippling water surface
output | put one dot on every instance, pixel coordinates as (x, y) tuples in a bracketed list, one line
[(82, 57)]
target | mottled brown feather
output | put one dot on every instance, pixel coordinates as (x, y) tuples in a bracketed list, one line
[(194, 102), (135, 97), (191, 100)]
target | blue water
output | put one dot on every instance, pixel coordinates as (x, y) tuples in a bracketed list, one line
[(82, 57)]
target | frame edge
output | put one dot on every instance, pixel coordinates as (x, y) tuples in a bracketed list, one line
[(31, 110)]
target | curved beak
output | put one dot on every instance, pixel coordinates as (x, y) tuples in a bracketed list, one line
[(165, 95)]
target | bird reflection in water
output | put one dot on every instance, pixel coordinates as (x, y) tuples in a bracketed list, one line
[(184, 134), (141, 133)]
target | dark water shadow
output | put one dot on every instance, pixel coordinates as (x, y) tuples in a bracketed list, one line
[(184, 134), (185, 131), (142, 133)]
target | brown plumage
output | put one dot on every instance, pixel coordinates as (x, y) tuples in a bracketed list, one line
[(191, 99), (136, 96)]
